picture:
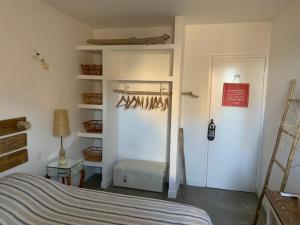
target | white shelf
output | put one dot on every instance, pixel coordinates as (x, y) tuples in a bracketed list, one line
[(125, 47), (88, 106), (89, 77), (139, 79), (92, 164), (90, 135), (117, 78)]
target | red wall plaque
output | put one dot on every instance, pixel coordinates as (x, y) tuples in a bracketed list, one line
[(236, 94)]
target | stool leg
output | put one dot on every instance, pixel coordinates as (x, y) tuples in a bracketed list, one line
[(68, 180), (82, 177)]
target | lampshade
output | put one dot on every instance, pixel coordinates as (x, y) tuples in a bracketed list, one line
[(61, 127)]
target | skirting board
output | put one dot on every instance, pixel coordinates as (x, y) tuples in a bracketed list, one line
[(106, 183), (173, 193)]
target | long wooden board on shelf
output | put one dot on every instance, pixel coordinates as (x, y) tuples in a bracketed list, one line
[(12, 160), (131, 41), (125, 47), (13, 143), (10, 126)]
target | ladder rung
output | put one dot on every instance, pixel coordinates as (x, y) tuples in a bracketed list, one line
[(294, 100), (280, 165), (288, 133)]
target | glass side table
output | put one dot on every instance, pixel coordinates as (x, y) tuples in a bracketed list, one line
[(66, 171)]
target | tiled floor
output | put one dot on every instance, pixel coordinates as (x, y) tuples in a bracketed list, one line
[(224, 207)]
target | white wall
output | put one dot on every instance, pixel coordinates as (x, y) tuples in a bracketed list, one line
[(201, 42), (284, 66), (28, 90)]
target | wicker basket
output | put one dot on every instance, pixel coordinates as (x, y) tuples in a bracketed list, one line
[(93, 153), (93, 126), (92, 98), (91, 69)]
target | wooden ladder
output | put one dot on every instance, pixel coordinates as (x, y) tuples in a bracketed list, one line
[(295, 139), (181, 150)]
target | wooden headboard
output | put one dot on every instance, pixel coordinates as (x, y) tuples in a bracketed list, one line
[(12, 147)]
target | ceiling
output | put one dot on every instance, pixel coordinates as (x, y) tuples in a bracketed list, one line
[(139, 13)]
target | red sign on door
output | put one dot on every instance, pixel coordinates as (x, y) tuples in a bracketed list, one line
[(236, 94)]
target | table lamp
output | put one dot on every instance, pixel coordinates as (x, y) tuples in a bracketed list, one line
[(61, 128)]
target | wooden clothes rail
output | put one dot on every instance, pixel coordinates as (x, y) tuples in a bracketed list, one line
[(191, 94), (161, 92), (142, 92)]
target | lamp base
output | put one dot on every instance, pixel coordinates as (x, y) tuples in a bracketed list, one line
[(62, 157)]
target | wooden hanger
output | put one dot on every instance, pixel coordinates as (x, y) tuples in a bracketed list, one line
[(160, 103), (142, 102), (137, 102), (151, 103), (128, 101), (166, 104), (154, 106), (123, 99), (131, 102), (147, 102)]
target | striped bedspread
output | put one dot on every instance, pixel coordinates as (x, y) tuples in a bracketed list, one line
[(27, 199)]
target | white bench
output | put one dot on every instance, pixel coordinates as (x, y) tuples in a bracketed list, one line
[(140, 174)]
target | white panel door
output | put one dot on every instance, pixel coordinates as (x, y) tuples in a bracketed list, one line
[(233, 154)]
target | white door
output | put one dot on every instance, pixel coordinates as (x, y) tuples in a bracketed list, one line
[(233, 154)]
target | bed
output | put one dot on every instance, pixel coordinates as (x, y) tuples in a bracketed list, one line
[(27, 199)]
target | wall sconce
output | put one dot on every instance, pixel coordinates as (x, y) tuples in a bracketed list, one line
[(38, 56)]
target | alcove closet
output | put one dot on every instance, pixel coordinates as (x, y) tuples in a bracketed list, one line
[(141, 68)]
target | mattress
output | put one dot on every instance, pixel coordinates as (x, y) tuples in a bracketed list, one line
[(27, 199)]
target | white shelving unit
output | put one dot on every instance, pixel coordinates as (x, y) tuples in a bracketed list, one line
[(137, 63), (90, 135), (147, 79), (165, 78), (88, 106), (89, 77), (92, 164)]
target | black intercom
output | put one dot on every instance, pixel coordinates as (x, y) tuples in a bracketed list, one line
[(211, 132)]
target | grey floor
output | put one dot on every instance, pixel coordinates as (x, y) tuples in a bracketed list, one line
[(224, 207)]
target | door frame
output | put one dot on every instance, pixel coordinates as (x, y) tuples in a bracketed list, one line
[(262, 117)]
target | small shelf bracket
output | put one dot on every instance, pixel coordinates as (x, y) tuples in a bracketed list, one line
[(190, 94)]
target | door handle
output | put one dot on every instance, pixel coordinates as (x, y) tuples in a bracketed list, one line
[(211, 131)]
